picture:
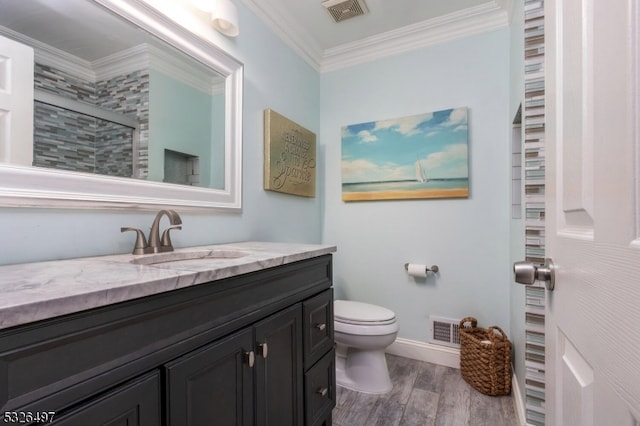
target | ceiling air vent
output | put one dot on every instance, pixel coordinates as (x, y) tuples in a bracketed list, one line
[(345, 9)]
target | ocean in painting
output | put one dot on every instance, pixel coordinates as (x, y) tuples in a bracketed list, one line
[(407, 185), (418, 156)]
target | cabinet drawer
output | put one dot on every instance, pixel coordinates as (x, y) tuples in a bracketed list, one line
[(136, 403), (318, 327), (320, 389)]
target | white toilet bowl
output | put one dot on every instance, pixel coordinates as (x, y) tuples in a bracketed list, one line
[(362, 333)]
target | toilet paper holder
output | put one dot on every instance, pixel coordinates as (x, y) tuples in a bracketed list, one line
[(434, 268)]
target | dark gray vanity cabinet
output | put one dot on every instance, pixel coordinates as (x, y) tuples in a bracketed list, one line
[(319, 359), (217, 384), (254, 349), (136, 403), (278, 368), (212, 385)]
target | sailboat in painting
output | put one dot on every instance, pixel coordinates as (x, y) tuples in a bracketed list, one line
[(420, 174)]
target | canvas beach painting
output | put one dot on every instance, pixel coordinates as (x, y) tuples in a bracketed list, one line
[(419, 156)]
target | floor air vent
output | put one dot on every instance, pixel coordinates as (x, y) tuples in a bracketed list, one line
[(444, 331), (345, 9)]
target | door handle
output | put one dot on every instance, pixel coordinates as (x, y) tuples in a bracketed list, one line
[(527, 273)]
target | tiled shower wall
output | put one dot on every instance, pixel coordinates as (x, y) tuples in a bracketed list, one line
[(71, 140), (63, 139), (129, 95), (114, 150), (534, 131)]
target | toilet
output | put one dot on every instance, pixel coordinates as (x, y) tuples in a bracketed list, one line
[(362, 333)]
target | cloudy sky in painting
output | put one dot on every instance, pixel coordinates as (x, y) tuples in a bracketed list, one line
[(387, 150)]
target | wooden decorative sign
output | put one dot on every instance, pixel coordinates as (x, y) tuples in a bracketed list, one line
[(289, 156)]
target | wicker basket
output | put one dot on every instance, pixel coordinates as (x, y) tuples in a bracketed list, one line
[(485, 358)]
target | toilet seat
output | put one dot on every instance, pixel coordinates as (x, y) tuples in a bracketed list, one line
[(367, 323), (363, 319), (361, 313)]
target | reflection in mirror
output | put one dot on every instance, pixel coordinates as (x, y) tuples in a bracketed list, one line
[(111, 99)]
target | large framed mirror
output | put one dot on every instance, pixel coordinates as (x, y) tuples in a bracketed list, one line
[(122, 108)]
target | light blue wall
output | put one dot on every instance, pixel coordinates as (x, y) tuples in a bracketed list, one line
[(467, 238), (274, 78), (217, 141), (180, 119)]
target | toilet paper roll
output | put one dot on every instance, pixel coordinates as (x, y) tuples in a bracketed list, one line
[(417, 270)]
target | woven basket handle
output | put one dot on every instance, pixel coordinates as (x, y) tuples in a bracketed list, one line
[(472, 320), (493, 336)]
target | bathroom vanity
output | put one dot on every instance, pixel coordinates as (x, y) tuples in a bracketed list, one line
[(233, 334)]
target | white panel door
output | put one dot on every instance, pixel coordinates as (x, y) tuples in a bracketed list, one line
[(593, 214), (16, 102)]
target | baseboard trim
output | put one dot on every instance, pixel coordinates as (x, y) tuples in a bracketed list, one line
[(518, 401), (427, 352)]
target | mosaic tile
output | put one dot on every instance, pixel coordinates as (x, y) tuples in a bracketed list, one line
[(70, 140)]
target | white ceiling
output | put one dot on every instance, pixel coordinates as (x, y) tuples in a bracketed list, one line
[(77, 27), (391, 26)]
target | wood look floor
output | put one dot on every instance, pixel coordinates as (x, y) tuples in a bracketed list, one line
[(423, 394)]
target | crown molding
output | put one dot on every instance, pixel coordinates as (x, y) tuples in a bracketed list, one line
[(140, 57), (453, 26), (190, 72), (147, 56), (508, 6), (49, 55), (475, 20), (124, 62), (288, 31)]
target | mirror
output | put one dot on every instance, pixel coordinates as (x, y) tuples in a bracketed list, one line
[(129, 110)]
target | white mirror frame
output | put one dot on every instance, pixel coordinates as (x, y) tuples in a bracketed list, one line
[(23, 186)]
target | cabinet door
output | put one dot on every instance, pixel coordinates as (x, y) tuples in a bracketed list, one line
[(279, 387), (136, 403), (212, 385)]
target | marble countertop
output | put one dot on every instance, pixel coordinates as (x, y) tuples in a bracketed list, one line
[(35, 291)]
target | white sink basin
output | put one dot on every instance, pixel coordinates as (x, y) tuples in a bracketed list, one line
[(177, 256)]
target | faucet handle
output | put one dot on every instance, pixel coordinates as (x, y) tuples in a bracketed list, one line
[(165, 241), (141, 241)]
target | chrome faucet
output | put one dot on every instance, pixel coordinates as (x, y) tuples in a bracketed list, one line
[(156, 244)]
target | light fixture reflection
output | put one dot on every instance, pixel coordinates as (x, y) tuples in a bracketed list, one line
[(224, 18)]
